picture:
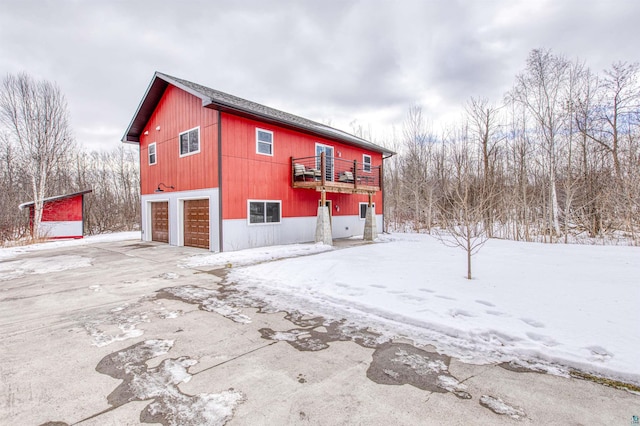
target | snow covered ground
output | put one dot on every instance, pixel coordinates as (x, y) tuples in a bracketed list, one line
[(550, 305)]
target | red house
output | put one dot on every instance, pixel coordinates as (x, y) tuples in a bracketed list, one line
[(62, 215), (223, 173)]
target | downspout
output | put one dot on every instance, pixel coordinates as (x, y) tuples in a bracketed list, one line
[(220, 239)]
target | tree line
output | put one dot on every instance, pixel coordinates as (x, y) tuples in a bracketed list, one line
[(39, 158), (556, 160)]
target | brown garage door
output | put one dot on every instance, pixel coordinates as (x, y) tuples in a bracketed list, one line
[(196, 223), (160, 222)]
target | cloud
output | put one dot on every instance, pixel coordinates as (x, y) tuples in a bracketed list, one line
[(331, 60)]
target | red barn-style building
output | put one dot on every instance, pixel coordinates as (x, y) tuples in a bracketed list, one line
[(223, 173), (62, 215)]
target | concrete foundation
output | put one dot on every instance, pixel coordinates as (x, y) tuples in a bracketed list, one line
[(370, 228), (323, 226)]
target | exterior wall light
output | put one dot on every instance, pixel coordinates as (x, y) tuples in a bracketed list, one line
[(158, 189)]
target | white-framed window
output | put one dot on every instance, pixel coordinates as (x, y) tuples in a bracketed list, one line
[(153, 156), (366, 163), (264, 211), (189, 142), (363, 210), (264, 142)]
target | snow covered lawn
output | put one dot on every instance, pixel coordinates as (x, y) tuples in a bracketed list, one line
[(567, 305)]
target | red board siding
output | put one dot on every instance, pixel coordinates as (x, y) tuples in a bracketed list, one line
[(248, 175), (64, 210), (177, 112)]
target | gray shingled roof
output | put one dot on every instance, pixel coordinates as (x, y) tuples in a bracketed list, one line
[(216, 99)]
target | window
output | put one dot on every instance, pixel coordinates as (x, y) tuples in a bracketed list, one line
[(366, 163), (190, 142), (328, 155), (363, 209), (152, 154), (264, 142), (264, 212)]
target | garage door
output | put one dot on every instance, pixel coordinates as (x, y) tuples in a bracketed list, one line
[(196, 223), (160, 222)]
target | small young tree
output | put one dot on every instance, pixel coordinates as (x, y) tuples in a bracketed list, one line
[(35, 116), (465, 205)]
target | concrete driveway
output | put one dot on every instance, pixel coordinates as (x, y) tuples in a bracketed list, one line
[(127, 336)]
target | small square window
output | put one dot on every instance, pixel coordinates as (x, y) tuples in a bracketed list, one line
[(366, 163), (190, 142), (363, 209), (264, 142), (264, 212), (152, 154)]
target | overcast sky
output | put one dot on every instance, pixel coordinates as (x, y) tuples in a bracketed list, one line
[(330, 61)]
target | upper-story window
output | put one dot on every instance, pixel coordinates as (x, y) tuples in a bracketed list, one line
[(152, 154), (190, 142), (366, 163), (264, 142)]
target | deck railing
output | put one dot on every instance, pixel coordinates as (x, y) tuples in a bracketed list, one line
[(335, 174)]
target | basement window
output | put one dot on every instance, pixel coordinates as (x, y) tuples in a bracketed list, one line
[(264, 212), (363, 210), (264, 142), (152, 154), (190, 142)]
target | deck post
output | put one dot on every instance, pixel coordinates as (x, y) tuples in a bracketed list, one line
[(370, 227), (355, 174), (323, 168), (323, 223)]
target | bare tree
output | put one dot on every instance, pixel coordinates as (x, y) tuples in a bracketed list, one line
[(484, 128), (540, 89), (465, 204), (12, 183), (415, 164), (35, 115), (619, 109)]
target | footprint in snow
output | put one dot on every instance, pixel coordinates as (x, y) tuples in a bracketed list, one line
[(460, 313), (412, 297), (545, 340), (484, 302), (497, 313), (532, 322), (446, 297), (598, 353)]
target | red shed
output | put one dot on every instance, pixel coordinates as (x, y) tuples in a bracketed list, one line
[(62, 215)]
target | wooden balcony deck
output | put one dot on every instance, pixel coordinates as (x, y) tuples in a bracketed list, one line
[(335, 175)]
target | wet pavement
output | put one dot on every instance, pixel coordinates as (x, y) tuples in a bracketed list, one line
[(125, 335)]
